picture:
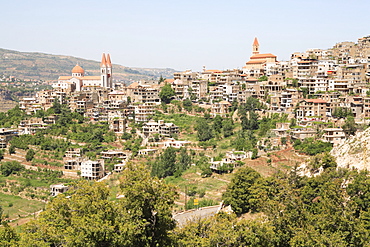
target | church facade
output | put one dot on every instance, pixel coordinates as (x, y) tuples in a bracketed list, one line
[(79, 82), (258, 62)]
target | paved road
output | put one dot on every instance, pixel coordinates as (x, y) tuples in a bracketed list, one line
[(192, 215)]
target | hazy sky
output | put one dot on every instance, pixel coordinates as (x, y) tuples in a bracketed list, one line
[(180, 34)]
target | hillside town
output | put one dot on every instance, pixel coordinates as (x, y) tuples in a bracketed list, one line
[(316, 89)]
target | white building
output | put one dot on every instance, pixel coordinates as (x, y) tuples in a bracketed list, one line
[(92, 169), (79, 82)]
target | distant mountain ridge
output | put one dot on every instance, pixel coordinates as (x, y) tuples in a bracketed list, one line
[(48, 67)]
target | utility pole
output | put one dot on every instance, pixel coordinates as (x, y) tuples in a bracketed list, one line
[(186, 191)]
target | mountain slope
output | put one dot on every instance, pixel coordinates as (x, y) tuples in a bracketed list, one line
[(48, 67)]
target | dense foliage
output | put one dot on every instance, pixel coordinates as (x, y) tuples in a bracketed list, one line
[(166, 93), (170, 163), (10, 167), (84, 216), (311, 146), (330, 209), (11, 118)]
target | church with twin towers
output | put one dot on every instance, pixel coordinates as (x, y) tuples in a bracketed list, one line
[(77, 81)]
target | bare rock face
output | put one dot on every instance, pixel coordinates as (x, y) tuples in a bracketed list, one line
[(354, 152)]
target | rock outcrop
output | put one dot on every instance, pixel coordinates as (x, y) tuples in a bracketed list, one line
[(354, 152)]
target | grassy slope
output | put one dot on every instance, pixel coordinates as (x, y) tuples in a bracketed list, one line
[(15, 206)]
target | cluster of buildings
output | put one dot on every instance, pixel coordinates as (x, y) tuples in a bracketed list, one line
[(309, 87), (336, 77)]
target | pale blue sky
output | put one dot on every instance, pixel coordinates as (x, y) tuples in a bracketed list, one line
[(180, 34)]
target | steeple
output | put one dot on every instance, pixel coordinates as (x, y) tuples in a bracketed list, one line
[(255, 47), (109, 63), (106, 71), (103, 61)]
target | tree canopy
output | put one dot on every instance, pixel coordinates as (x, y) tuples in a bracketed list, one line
[(85, 215), (166, 93)]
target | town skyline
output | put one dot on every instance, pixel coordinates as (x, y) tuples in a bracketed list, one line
[(164, 34)]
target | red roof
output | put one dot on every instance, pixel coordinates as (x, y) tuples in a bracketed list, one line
[(255, 42), (77, 69), (169, 80), (256, 61), (133, 85), (266, 55), (213, 71), (315, 101)]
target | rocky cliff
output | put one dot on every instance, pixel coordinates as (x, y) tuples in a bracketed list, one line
[(354, 152)]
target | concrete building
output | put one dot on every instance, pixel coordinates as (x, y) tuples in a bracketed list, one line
[(164, 129), (333, 135), (57, 189), (92, 170)]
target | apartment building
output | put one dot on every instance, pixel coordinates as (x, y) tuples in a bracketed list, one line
[(220, 108), (6, 135), (312, 109), (92, 170), (142, 112), (333, 135), (164, 129)]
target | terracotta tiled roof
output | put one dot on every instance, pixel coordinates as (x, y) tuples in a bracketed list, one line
[(169, 80), (78, 69), (256, 61), (315, 100), (224, 102), (65, 77), (133, 85), (266, 55), (252, 79), (255, 42), (213, 71)]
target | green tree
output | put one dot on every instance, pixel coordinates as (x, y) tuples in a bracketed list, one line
[(57, 107), (161, 79), (10, 167), (184, 161), (263, 78), (188, 105), (166, 93), (227, 127), (147, 207), (311, 146), (226, 230), (217, 123), (30, 154), (165, 165), (203, 129), (8, 236), (81, 217), (241, 192), (11, 149), (250, 121), (341, 112), (349, 127)]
